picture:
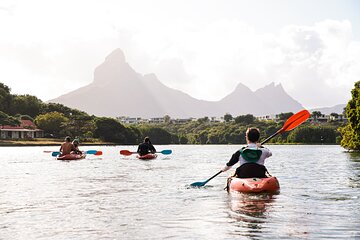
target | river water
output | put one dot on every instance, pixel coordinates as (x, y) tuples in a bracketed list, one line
[(117, 197)]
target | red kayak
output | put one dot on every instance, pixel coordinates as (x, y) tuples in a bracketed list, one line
[(254, 185), (72, 156), (148, 156)]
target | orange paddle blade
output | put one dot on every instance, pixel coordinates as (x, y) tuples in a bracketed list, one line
[(126, 152), (98, 153), (295, 120)]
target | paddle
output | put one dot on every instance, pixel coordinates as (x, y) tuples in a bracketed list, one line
[(128, 153), (98, 153), (294, 121), (200, 184), (95, 152)]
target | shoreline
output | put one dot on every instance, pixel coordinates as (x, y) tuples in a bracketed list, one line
[(57, 142), (47, 142)]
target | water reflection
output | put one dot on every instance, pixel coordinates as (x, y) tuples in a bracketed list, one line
[(250, 212), (354, 156), (354, 169)]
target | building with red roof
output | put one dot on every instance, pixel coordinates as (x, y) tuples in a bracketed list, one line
[(26, 129)]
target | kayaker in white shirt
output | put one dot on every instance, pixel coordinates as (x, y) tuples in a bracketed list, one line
[(251, 158)]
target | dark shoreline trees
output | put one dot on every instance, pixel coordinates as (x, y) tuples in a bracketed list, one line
[(351, 132)]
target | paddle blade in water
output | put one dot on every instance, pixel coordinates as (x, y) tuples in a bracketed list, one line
[(54, 154), (98, 153), (200, 184), (295, 120), (166, 152), (197, 184), (125, 152)]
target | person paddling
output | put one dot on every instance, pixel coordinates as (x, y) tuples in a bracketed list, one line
[(146, 147), (75, 149), (251, 158), (66, 147)]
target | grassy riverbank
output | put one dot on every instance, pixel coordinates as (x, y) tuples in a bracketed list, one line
[(47, 142)]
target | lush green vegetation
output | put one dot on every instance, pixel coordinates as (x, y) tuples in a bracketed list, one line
[(204, 132), (351, 132), (58, 121)]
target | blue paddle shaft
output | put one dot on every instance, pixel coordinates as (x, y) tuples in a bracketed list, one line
[(54, 154), (200, 184)]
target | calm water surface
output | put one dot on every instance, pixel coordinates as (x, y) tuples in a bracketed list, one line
[(117, 197)]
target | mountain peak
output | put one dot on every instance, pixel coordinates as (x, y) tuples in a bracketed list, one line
[(271, 87), (117, 56), (240, 87), (279, 86), (272, 84), (114, 70), (279, 98)]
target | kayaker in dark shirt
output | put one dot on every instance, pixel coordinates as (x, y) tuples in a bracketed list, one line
[(146, 147), (251, 158)]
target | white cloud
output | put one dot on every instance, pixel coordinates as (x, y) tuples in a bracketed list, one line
[(58, 44), (316, 64), (321, 62)]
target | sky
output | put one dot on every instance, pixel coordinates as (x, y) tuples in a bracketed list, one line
[(202, 47)]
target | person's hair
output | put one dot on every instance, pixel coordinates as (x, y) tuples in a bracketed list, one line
[(146, 139), (68, 139), (253, 134)]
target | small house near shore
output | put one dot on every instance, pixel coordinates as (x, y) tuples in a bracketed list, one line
[(26, 129)]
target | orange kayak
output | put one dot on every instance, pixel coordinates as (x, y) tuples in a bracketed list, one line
[(72, 157), (148, 156), (254, 185)]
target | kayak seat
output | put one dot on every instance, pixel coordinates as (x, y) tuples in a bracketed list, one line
[(251, 170)]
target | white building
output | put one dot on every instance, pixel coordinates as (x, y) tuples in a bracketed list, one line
[(157, 120), (270, 117), (26, 129), (131, 120)]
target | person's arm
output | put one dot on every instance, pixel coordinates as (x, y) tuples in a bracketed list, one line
[(268, 153), (152, 148), (233, 160), (138, 150), (265, 150)]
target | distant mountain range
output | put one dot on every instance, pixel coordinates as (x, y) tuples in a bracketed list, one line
[(118, 90), (339, 109)]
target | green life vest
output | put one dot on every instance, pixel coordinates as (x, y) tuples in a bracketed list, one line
[(250, 155)]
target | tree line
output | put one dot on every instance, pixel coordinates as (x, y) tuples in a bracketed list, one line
[(58, 121), (351, 131)]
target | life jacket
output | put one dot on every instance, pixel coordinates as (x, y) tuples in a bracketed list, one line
[(250, 155)]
